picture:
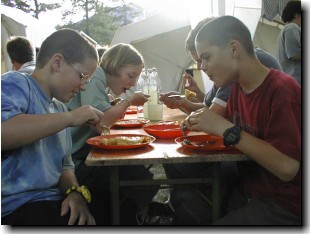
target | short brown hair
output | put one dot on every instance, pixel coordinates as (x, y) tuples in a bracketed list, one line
[(20, 49), (290, 10), (190, 40), (71, 44), (219, 31)]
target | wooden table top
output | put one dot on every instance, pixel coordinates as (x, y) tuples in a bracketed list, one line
[(160, 151)]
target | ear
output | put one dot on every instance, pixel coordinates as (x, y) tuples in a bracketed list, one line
[(235, 48), (57, 62)]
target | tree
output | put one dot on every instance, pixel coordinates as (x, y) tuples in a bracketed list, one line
[(87, 6), (30, 6), (100, 22)]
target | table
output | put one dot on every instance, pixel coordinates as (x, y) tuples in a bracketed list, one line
[(160, 151)]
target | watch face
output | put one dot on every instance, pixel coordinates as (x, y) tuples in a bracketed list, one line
[(230, 136)]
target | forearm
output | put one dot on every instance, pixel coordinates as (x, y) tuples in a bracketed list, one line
[(199, 94), (114, 113), (189, 107), (67, 179), (279, 164), (296, 57), (218, 109), (25, 128)]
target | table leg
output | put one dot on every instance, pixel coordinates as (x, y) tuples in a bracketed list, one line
[(216, 194), (114, 192)]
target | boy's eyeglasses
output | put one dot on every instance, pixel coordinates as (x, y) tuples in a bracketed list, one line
[(85, 79)]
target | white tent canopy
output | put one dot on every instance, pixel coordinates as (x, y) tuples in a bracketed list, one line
[(15, 22), (161, 38)]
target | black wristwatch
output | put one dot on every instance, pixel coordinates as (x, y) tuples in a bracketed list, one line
[(232, 136)]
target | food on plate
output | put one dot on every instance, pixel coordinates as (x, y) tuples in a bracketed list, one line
[(130, 121), (125, 140), (189, 94)]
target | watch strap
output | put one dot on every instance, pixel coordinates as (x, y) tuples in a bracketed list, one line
[(83, 190)]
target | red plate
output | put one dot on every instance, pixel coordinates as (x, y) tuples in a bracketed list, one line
[(131, 110), (95, 141), (201, 142), (130, 123), (164, 129)]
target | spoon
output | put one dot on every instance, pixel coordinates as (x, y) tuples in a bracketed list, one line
[(176, 96), (199, 144)]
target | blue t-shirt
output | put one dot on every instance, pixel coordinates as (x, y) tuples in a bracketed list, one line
[(31, 172)]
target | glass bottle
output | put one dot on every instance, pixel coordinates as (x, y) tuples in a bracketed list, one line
[(155, 107)]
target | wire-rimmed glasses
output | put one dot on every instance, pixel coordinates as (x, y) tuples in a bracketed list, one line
[(85, 79)]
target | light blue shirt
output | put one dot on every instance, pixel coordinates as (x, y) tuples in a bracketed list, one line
[(289, 45), (27, 67), (31, 172)]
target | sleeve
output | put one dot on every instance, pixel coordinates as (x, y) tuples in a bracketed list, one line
[(68, 163), (283, 129), (292, 41), (210, 95), (17, 102), (222, 95)]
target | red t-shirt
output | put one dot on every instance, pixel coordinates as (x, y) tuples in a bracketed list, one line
[(272, 112)]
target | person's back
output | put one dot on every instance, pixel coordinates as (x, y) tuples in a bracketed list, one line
[(289, 40), (21, 52)]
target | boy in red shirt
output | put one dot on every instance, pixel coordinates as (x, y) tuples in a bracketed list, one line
[(263, 120)]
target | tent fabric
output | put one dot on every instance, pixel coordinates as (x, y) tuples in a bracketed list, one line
[(160, 38), (161, 41), (266, 37), (15, 22)]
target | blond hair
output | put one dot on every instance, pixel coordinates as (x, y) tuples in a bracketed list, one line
[(120, 55)]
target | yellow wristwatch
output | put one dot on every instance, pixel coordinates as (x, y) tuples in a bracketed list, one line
[(83, 190)]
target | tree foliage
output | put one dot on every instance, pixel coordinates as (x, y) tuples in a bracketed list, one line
[(31, 6), (100, 21)]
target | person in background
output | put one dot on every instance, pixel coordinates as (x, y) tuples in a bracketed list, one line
[(217, 97), (255, 123), (21, 53), (289, 40), (38, 184), (120, 66), (190, 207)]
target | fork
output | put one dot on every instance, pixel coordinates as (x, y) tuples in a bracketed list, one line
[(201, 144), (182, 127), (105, 130)]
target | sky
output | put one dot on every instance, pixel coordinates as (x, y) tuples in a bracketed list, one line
[(53, 18)]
